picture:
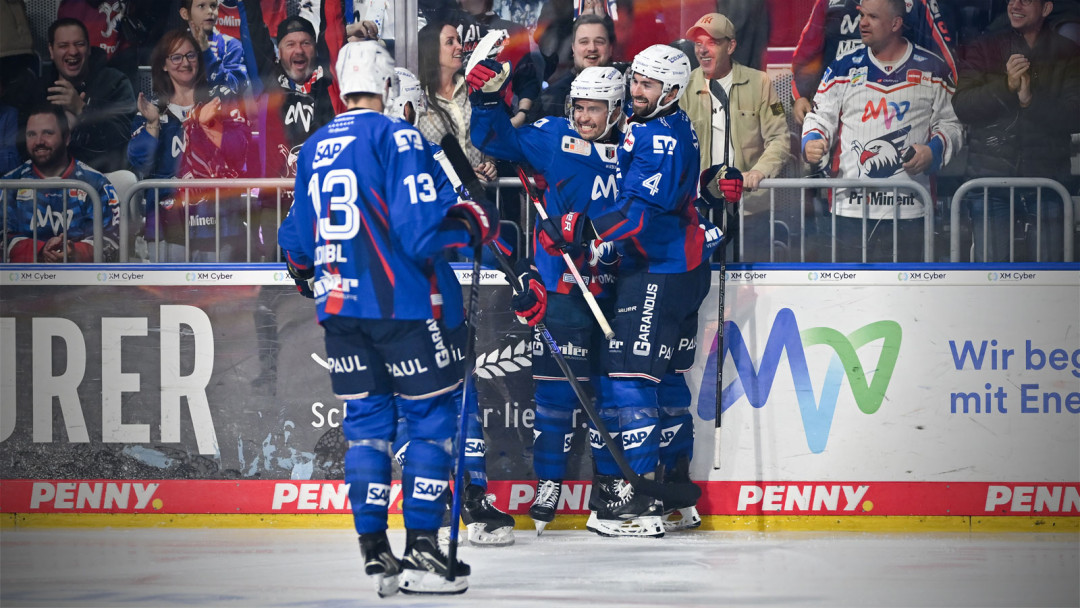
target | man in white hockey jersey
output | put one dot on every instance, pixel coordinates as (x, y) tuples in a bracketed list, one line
[(882, 111)]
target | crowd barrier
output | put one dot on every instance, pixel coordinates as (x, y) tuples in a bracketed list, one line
[(16, 186), (261, 245), (986, 183)]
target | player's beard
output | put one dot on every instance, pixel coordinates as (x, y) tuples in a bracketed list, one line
[(47, 159)]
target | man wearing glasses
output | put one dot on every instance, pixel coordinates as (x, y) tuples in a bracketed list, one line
[(1019, 95)]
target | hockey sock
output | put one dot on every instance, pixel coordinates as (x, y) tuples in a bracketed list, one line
[(639, 420), (425, 477), (553, 433), (367, 471), (676, 422)]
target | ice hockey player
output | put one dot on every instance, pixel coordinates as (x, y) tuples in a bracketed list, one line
[(367, 222), (577, 157), (486, 524), (663, 280)]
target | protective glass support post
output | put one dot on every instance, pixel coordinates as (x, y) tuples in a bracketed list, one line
[(217, 225), (187, 225)]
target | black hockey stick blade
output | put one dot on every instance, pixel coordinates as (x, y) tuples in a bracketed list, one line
[(681, 492), (464, 170)]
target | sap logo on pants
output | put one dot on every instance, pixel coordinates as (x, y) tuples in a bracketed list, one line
[(475, 447), (378, 494), (636, 438), (567, 442), (668, 434), (595, 440), (428, 489)]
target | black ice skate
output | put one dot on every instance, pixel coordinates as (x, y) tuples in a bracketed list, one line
[(680, 516), (628, 514), (546, 503), (425, 567), (380, 563), (487, 525)]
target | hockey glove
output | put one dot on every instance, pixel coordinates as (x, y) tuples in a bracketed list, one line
[(482, 221), (531, 303), (486, 81), (563, 233), (602, 252), (720, 185), (303, 277)]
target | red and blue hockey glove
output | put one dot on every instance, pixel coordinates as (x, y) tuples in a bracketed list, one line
[(602, 252), (531, 303), (720, 185), (482, 221), (486, 81), (302, 276), (563, 233)]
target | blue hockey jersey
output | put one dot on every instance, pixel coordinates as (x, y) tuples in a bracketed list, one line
[(581, 176), (370, 215), (654, 215)]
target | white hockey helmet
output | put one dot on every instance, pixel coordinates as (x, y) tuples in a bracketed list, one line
[(366, 67), (667, 64), (598, 84), (409, 91)]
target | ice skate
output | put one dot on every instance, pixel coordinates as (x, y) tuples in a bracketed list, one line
[(424, 567), (380, 563), (487, 525), (685, 518), (546, 503), (628, 514)]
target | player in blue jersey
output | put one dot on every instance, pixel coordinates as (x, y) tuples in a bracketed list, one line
[(486, 524), (363, 236), (577, 156), (663, 279)]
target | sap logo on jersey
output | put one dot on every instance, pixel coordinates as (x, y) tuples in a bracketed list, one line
[(666, 435), (636, 438), (329, 149), (378, 494), (428, 489)]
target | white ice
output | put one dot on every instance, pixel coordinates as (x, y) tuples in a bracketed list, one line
[(270, 567)]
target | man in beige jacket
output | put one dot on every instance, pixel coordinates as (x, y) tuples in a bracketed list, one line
[(758, 142)]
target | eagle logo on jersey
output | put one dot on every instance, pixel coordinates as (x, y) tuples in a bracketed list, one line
[(881, 157)]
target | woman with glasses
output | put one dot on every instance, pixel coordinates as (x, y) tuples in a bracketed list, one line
[(186, 130)]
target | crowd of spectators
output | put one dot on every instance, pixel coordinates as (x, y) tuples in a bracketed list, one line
[(236, 86)]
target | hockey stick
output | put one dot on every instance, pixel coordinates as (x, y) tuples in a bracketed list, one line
[(468, 357), (534, 196), (455, 165), (720, 353)]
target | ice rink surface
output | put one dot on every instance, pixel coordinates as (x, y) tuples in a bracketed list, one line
[(269, 567)]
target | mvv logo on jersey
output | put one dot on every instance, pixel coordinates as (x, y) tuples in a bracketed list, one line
[(300, 113), (378, 494), (428, 489), (328, 150)]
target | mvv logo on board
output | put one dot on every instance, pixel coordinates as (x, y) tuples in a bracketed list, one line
[(754, 378)]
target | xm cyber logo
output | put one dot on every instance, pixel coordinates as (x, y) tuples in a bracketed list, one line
[(754, 379)]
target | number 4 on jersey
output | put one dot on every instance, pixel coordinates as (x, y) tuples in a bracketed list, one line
[(653, 184)]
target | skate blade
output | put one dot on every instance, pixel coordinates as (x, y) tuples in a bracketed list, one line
[(499, 537), (540, 525), (385, 586), (681, 519), (422, 582), (639, 527)]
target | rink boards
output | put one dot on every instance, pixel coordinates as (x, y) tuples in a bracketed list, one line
[(861, 396)]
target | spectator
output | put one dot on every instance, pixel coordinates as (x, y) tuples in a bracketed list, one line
[(448, 110), (56, 225), (185, 133), (223, 56), (243, 20), (593, 44), (832, 31), (751, 21), (98, 99), (873, 128), (723, 94), (297, 104), (1019, 95)]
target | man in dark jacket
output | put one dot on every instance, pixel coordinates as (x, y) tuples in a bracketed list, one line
[(99, 100), (1019, 94)]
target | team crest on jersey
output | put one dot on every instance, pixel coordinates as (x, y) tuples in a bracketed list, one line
[(24, 194), (607, 151), (574, 145), (858, 77), (327, 151), (881, 157)]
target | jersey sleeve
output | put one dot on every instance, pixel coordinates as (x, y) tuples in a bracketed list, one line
[(946, 132), (807, 60), (494, 135), (823, 122), (646, 187)]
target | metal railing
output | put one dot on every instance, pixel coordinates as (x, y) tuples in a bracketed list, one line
[(1012, 183), (864, 184), (14, 185), (246, 186)]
